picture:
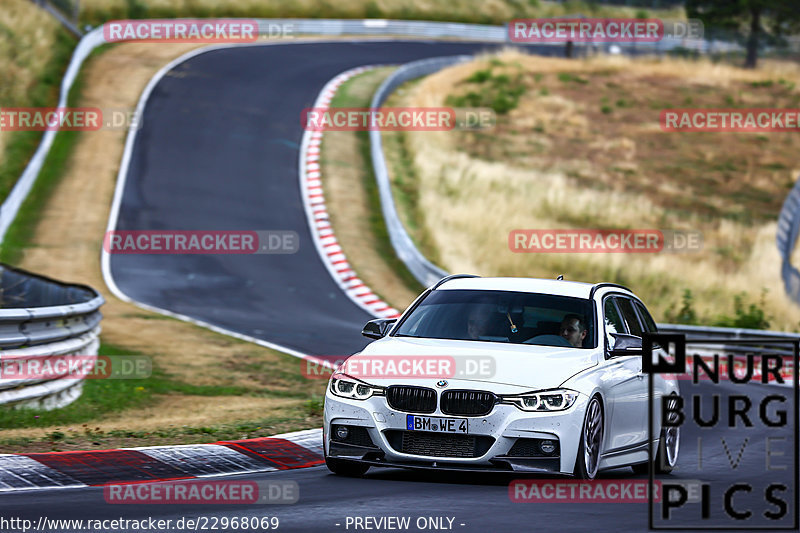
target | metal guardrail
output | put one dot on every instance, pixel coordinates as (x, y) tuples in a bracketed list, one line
[(426, 272), (57, 391), (710, 332), (786, 238), (41, 318), (753, 336), (59, 16), (404, 28)]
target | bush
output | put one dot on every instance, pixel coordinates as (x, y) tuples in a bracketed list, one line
[(745, 316), (752, 317), (686, 314), (568, 77), (480, 76), (500, 92)]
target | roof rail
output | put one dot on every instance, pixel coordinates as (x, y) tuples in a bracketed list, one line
[(452, 276), (606, 284)]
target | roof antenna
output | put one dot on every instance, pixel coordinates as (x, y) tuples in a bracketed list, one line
[(560, 278)]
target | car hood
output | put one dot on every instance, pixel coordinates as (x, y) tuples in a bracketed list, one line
[(522, 367)]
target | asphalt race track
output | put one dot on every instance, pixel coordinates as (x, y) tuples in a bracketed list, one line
[(218, 150), (479, 501)]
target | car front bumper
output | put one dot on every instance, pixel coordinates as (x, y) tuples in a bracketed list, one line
[(494, 434)]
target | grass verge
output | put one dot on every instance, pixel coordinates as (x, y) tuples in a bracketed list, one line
[(84, 423), (20, 233), (404, 180), (354, 203), (20, 145)]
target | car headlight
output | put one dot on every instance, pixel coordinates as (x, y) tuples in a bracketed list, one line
[(344, 386), (543, 401)]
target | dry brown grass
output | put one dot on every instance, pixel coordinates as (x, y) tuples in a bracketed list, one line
[(485, 11), (27, 38), (558, 161), (183, 411), (28, 34)]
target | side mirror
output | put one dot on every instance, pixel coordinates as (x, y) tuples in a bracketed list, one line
[(378, 328), (625, 344)]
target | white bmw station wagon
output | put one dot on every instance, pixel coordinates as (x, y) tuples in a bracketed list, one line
[(502, 374)]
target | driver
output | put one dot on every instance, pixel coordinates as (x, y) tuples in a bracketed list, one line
[(478, 322), (573, 329)]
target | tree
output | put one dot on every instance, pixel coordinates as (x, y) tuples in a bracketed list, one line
[(758, 20)]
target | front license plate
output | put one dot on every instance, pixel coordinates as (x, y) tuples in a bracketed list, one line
[(437, 424)]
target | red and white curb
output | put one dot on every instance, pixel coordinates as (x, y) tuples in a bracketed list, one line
[(330, 251), (61, 470)]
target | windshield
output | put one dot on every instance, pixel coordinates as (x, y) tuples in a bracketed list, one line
[(502, 316)]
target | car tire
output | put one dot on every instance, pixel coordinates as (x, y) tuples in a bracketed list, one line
[(343, 467), (588, 460), (666, 454)]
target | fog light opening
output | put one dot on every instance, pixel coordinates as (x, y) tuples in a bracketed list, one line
[(342, 432), (548, 446)]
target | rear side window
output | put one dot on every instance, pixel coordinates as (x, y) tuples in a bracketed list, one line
[(628, 313), (612, 321), (649, 323)]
